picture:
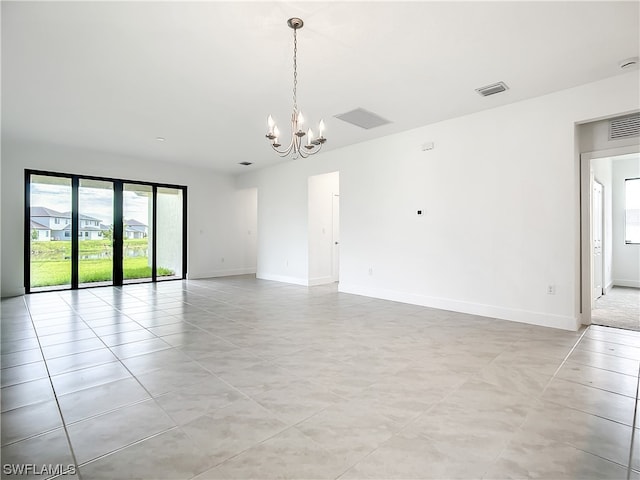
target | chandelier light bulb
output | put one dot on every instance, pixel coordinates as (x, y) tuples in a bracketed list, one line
[(300, 120), (321, 127), (271, 123), (309, 136)]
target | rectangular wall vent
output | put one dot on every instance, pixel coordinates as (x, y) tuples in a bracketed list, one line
[(492, 89), (624, 127)]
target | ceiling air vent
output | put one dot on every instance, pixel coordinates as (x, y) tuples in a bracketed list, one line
[(624, 127), (246, 164), (363, 118), (492, 89)]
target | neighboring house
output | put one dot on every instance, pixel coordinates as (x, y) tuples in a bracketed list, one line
[(40, 232), (135, 229), (50, 224)]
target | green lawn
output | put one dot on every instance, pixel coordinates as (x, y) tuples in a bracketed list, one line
[(51, 262)]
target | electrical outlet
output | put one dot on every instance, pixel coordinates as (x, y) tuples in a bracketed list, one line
[(551, 289), (370, 271)]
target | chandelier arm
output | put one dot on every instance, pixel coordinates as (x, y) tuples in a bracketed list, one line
[(286, 151)]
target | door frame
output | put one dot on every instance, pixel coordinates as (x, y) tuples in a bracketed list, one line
[(117, 227), (586, 234), (335, 237), (593, 181)]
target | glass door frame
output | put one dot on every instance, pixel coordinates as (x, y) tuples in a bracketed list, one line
[(118, 228)]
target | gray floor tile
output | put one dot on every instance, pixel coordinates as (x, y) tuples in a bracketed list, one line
[(24, 422), (349, 430), (89, 377), (95, 400), (50, 450), (170, 455), (230, 430), (106, 433), (78, 361), (174, 377), (27, 393), (143, 347), (590, 433), (197, 400), (410, 456), (531, 458), (605, 361), (288, 454), (600, 378), (612, 406), (20, 358), (64, 349), (23, 373)]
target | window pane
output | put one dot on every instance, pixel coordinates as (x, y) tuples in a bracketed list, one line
[(137, 208), (50, 239), (95, 232), (169, 233), (632, 210)]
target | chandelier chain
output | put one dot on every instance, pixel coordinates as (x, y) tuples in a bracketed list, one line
[(295, 70)]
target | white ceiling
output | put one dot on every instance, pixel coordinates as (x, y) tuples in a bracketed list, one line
[(113, 76)]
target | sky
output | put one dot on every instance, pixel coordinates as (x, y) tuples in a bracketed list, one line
[(95, 202)]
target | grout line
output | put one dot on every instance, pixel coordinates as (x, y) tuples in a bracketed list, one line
[(563, 362), (119, 449), (633, 428)]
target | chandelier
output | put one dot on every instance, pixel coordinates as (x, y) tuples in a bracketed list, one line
[(296, 148)]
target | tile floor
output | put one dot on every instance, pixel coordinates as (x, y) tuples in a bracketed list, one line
[(619, 308), (239, 378)]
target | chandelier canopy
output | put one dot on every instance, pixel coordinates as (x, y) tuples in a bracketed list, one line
[(296, 148)]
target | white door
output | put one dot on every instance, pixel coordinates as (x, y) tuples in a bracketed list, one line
[(597, 223), (335, 268)]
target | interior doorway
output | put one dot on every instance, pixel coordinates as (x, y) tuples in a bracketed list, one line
[(610, 245), (324, 228)]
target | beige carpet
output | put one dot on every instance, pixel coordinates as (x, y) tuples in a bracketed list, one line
[(620, 308)]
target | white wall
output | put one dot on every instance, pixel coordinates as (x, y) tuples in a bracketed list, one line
[(602, 172), (282, 247), (322, 188), (211, 205), (246, 226), (626, 258), (500, 193)]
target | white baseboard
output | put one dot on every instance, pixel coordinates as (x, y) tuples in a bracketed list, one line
[(320, 281), (608, 288), (627, 283), (220, 273), (563, 322), (283, 279)]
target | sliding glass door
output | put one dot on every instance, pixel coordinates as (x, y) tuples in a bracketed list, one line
[(85, 231), (48, 232), (169, 237), (137, 214), (95, 232)]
